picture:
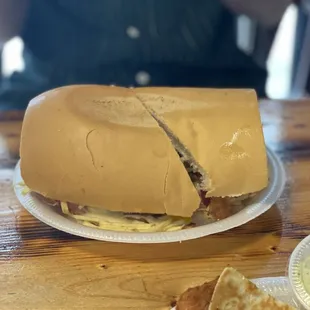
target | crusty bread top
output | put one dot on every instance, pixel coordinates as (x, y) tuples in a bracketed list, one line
[(221, 129), (98, 146)]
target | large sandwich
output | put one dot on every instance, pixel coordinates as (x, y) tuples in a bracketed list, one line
[(144, 159), (230, 291)]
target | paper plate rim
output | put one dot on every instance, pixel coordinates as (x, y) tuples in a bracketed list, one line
[(269, 196), (295, 262)]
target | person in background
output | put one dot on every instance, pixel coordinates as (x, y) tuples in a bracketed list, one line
[(131, 43)]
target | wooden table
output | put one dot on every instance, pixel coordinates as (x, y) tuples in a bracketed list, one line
[(42, 268)]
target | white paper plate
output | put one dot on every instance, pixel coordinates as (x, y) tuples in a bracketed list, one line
[(260, 204), (278, 287), (301, 252)]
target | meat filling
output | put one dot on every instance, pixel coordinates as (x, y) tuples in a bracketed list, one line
[(194, 175), (197, 179), (80, 210), (204, 200), (73, 207)]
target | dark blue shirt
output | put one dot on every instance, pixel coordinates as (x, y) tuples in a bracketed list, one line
[(129, 43)]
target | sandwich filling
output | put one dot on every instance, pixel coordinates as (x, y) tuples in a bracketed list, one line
[(216, 209), (213, 209), (118, 221), (196, 178)]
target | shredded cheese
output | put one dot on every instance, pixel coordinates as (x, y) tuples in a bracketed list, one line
[(25, 189), (117, 221)]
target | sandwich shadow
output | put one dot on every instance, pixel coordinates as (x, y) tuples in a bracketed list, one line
[(258, 237)]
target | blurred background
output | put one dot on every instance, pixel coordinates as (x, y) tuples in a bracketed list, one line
[(260, 44)]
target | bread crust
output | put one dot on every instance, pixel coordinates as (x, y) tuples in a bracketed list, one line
[(98, 146), (222, 130), (101, 146)]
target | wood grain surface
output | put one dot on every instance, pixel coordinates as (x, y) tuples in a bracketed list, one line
[(42, 268)]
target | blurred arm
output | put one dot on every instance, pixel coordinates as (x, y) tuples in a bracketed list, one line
[(265, 12), (12, 16)]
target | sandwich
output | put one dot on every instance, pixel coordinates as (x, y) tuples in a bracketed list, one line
[(143, 159), (229, 291)]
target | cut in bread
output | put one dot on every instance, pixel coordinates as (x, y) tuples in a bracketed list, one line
[(218, 131), (194, 170), (98, 146)]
